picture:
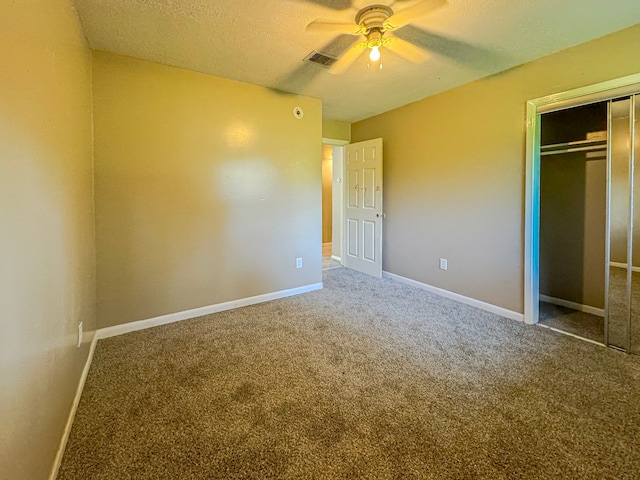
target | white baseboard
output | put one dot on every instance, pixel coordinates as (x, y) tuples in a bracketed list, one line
[(624, 265), (76, 401), (503, 312), (337, 258), (198, 312), (572, 305)]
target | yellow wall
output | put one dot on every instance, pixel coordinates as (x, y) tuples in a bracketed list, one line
[(47, 259), (454, 171), (207, 189), (336, 130)]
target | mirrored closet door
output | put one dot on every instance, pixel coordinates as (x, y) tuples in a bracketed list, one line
[(622, 323)]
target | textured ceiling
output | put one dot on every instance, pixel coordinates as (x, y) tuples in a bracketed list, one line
[(264, 42)]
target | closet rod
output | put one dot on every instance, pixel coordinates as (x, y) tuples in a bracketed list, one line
[(590, 148), (576, 143)]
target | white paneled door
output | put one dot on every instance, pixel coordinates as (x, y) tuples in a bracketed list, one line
[(363, 207)]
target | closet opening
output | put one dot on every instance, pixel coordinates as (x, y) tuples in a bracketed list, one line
[(573, 220)]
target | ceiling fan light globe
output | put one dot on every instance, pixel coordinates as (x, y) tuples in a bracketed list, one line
[(374, 54)]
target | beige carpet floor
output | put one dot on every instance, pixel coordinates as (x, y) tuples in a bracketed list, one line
[(366, 378)]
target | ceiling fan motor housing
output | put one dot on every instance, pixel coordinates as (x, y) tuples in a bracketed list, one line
[(374, 38), (373, 17)]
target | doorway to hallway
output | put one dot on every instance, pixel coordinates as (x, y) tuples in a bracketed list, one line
[(332, 206)]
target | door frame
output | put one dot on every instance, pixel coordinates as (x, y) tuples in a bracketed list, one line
[(337, 194), (535, 108)]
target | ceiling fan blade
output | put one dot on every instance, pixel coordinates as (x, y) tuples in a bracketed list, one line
[(348, 58), (406, 50), (408, 15), (335, 27)]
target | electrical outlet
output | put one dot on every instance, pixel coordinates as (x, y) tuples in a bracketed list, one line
[(79, 334), (299, 262), (443, 264)]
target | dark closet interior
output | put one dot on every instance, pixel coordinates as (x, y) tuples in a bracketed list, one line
[(573, 220)]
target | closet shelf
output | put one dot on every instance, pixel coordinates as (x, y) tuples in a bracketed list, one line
[(571, 147)]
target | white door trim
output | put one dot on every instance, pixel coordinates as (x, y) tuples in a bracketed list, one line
[(334, 142), (337, 210), (572, 98)]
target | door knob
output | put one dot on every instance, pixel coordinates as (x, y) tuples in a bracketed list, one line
[(381, 215)]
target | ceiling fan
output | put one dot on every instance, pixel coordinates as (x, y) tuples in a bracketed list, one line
[(375, 22)]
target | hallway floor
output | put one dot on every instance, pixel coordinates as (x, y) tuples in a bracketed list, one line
[(328, 262)]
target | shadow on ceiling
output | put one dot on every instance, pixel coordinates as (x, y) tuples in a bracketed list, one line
[(298, 79), (334, 4), (474, 56)]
